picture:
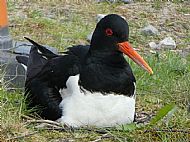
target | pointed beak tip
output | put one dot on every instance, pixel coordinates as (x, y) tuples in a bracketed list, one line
[(151, 72), (148, 69)]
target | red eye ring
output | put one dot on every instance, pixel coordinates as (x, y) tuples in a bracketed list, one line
[(109, 32)]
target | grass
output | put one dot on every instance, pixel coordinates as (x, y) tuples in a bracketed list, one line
[(68, 23)]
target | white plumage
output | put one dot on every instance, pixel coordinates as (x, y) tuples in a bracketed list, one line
[(81, 107)]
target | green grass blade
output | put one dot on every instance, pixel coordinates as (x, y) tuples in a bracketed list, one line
[(162, 113)]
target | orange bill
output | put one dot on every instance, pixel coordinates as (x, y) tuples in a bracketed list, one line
[(127, 49)]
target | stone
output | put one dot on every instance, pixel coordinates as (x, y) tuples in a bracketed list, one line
[(153, 51), (127, 1), (50, 16), (21, 15), (185, 52), (113, 1), (153, 45), (100, 16), (5, 42), (13, 74), (89, 37), (149, 30), (167, 43), (24, 48)]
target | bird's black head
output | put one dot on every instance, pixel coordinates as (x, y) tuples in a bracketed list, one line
[(111, 38), (111, 29)]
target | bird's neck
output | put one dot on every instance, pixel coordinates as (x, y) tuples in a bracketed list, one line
[(114, 58)]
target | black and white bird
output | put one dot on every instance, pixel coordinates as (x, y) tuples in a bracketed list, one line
[(88, 85)]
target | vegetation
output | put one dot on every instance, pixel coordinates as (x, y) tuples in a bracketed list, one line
[(164, 96)]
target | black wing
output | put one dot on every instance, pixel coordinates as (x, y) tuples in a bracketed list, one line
[(44, 51), (22, 59), (47, 73)]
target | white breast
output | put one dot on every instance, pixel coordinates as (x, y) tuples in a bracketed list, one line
[(86, 108)]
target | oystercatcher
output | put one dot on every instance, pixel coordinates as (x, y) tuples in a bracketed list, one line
[(87, 85)]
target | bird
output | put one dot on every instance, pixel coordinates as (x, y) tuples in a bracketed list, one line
[(87, 85)]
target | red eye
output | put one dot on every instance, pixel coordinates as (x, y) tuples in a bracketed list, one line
[(109, 32)]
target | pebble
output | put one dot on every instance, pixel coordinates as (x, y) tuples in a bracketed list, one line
[(153, 45), (185, 52), (100, 16), (167, 43), (89, 37), (23, 48), (113, 1), (149, 30), (50, 16), (21, 15), (127, 1)]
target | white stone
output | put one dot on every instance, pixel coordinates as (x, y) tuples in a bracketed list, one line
[(113, 1), (127, 1), (153, 45), (89, 37), (100, 16), (167, 43)]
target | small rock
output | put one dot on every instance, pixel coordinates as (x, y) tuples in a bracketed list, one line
[(62, 20), (24, 48), (167, 43), (153, 45), (149, 30), (185, 52), (14, 73), (89, 37), (100, 16), (127, 1), (50, 16), (113, 1), (21, 15), (152, 51)]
